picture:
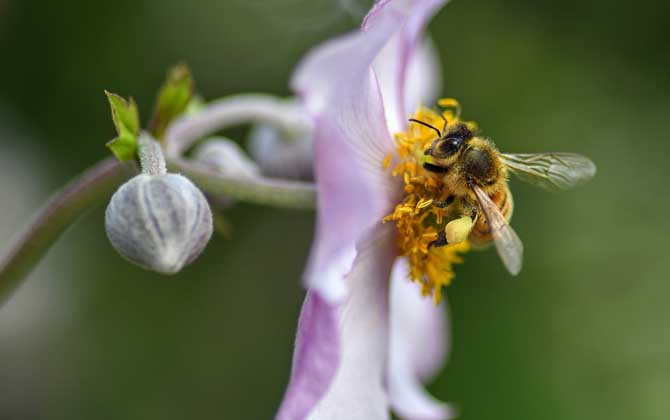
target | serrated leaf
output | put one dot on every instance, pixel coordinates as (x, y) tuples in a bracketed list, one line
[(127, 122), (173, 99), (125, 115)]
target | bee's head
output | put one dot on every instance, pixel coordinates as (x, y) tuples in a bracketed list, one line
[(459, 150), (450, 143)]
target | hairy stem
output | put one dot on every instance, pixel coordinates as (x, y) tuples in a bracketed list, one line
[(90, 188), (233, 110), (151, 156), (258, 190)]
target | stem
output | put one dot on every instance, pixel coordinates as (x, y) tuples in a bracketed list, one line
[(233, 110), (151, 156), (258, 190), (91, 187)]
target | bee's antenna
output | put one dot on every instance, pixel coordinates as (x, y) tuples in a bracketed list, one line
[(444, 127), (439, 133)]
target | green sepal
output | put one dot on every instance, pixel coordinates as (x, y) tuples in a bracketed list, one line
[(127, 122), (173, 99)]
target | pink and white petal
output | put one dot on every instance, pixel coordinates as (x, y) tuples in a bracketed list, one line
[(351, 140), (341, 350), (392, 65), (418, 348), (337, 86), (357, 391), (315, 359), (424, 77)]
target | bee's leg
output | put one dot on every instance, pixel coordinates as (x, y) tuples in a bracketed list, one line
[(434, 168), (445, 203), (468, 207), (440, 241)]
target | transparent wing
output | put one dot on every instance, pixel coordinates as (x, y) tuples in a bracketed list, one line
[(551, 171), (508, 244)]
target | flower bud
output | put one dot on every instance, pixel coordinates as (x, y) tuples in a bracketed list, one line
[(159, 222), (226, 157), (281, 155)]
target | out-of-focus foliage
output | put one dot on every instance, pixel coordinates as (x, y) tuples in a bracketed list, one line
[(580, 334), (173, 98)]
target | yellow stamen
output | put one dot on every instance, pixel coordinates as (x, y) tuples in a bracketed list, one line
[(417, 219), (387, 161)]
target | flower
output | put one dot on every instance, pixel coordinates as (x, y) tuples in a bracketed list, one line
[(367, 337)]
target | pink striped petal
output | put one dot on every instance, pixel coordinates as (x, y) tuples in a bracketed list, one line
[(424, 77), (418, 348), (341, 351), (341, 93), (392, 65), (315, 359)]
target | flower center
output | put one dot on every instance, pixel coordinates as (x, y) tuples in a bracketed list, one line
[(421, 214)]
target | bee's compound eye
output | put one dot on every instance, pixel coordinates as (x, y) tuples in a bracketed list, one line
[(448, 147)]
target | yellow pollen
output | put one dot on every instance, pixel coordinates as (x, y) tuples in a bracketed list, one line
[(417, 219)]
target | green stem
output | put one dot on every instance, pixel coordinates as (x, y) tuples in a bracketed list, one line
[(257, 190), (152, 161), (90, 188)]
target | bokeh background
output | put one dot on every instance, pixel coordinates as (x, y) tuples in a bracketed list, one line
[(582, 333)]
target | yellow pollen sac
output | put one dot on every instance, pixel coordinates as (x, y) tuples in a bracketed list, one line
[(417, 219)]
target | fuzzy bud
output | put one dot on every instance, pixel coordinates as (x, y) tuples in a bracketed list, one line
[(226, 157), (283, 155), (160, 222)]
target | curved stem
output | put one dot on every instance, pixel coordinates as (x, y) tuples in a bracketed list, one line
[(91, 187), (258, 190), (233, 110)]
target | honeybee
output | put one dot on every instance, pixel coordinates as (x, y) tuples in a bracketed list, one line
[(476, 175)]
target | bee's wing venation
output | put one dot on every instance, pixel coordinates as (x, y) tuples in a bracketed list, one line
[(508, 244), (551, 171)]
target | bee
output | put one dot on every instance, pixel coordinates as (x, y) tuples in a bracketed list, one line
[(475, 174)]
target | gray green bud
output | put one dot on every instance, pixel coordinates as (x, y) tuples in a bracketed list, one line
[(159, 222), (282, 154), (226, 157)]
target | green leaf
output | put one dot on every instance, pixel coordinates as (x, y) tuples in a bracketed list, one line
[(125, 115), (123, 147), (127, 123), (173, 99)]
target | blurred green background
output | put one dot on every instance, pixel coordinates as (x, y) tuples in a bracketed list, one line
[(582, 333)]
